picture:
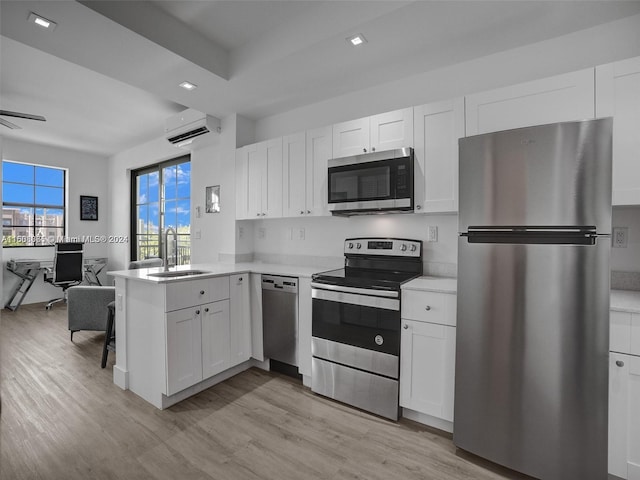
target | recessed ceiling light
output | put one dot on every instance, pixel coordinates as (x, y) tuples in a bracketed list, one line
[(188, 86), (41, 21), (357, 40)]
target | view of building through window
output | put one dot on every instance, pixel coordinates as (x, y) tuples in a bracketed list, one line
[(162, 199), (33, 204)]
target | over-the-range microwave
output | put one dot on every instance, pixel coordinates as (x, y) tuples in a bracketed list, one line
[(377, 182)]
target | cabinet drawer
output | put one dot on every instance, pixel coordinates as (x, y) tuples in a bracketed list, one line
[(430, 307), (196, 292)]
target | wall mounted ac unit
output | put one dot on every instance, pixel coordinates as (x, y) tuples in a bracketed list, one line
[(182, 129)]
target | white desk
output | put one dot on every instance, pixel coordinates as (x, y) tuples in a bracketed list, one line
[(28, 270)]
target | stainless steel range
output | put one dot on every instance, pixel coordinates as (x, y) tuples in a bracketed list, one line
[(356, 323)]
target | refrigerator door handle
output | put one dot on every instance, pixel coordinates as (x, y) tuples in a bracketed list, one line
[(544, 235)]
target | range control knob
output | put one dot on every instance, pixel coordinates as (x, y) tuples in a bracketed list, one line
[(403, 247), (350, 245), (359, 246), (413, 248)]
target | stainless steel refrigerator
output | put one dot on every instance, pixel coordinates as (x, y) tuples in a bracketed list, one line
[(531, 386)]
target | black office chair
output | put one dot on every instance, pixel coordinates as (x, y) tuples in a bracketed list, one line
[(68, 269)]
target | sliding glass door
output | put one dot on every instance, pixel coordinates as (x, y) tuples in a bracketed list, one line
[(161, 198)]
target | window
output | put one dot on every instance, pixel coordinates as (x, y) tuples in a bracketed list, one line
[(161, 198), (33, 204)]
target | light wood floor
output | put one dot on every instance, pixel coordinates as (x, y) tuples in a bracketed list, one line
[(63, 418)]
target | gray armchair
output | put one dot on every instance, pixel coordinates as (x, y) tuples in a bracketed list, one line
[(87, 307), (87, 304)]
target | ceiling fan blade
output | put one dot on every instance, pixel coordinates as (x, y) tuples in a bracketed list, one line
[(28, 116), (6, 123)]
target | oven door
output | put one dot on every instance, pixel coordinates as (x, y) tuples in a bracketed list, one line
[(364, 321), (370, 185)]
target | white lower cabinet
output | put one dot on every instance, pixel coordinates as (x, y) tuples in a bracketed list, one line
[(184, 349), (216, 354), (427, 365), (624, 416), (205, 340)]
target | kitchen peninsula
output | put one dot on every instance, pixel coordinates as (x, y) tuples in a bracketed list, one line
[(185, 330)]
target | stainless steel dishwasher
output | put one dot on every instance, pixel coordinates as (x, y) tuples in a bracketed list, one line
[(280, 320)]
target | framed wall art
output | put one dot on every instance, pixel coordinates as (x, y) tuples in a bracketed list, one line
[(88, 207)]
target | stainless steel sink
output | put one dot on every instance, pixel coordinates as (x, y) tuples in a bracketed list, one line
[(178, 273)]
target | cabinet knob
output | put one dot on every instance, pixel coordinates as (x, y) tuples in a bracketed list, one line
[(418, 207), (364, 150), (405, 326), (206, 309), (620, 363), (197, 312), (308, 212), (301, 212), (373, 149), (427, 308), (240, 279), (201, 292)]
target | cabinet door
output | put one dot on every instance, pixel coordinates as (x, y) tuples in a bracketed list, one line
[(240, 319), (242, 186), (319, 149), (391, 130), (437, 128), (427, 368), (618, 96), (215, 338), (294, 191), (184, 349), (255, 299), (255, 165), (272, 181), (351, 138), (304, 326), (624, 416), (556, 99)]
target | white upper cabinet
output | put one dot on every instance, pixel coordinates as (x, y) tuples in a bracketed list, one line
[(618, 96), (305, 157), (319, 150), (437, 128), (259, 180), (391, 130), (351, 138), (294, 163), (385, 131), (560, 98)]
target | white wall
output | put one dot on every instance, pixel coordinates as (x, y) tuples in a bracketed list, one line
[(627, 259), (211, 165), (86, 176), (119, 181), (586, 48)]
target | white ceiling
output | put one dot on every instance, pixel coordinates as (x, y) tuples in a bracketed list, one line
[(106, 78)]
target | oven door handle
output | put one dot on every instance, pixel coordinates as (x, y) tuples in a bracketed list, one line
[(356, 290), (355, 299)]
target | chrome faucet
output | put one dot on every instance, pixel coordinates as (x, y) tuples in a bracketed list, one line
[(166, 247)]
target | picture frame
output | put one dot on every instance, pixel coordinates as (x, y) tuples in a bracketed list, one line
[(212, 199), (88, 207)]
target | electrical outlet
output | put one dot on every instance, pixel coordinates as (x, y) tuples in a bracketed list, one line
[(262, 232), (198, 234), (432, 233), (619, 238), (240, 233), (119, 302), (301, 234)]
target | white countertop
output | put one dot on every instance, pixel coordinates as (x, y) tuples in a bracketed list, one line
[(219, 269), (432, 284)]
